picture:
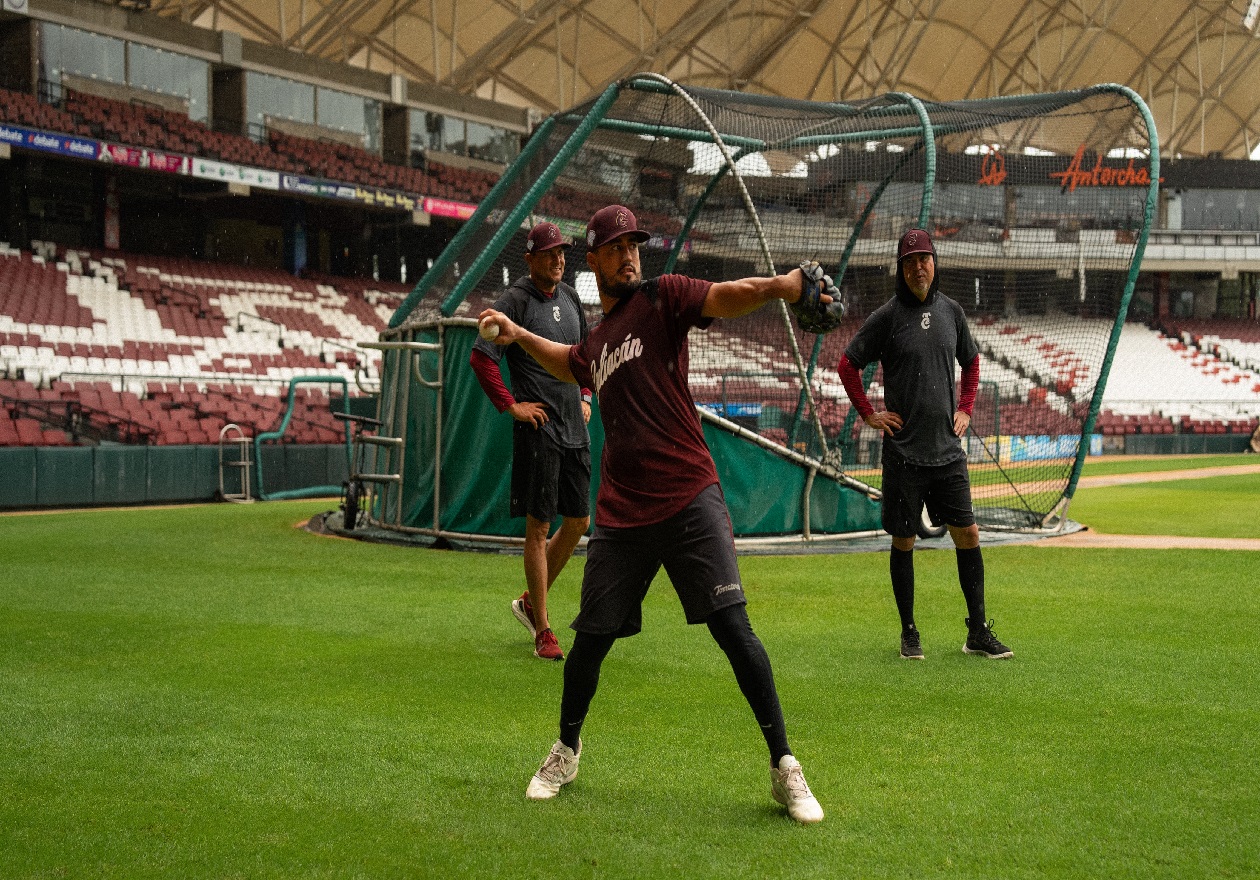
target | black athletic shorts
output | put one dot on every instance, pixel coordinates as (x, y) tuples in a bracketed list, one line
[(945, 489), (548, 479), (697, 548)]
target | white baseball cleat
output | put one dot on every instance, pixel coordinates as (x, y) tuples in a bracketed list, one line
[(560, 768), (788, 786)]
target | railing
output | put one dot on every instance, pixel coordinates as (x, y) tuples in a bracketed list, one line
[(240, 325), (81, 420), (1218, 410)]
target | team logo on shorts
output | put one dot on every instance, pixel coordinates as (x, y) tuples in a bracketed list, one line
[(555, 313), (927, 320)]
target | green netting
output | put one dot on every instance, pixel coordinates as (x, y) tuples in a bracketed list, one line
[(1039, 206)]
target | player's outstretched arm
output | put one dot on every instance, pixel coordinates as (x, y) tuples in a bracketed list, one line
[(554, 356), (731, 299)]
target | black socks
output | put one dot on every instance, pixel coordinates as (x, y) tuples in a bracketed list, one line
[(971, 579), (901, 568)]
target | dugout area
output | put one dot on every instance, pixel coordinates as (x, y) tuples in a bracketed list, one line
[(1040, 207)]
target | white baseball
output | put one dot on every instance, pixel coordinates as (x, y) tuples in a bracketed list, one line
[(488, 329)]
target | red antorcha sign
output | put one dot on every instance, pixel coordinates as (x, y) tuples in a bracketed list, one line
[(1100, 175)]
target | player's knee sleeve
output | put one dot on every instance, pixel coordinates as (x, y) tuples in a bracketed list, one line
[(732, 630), (581, 675)]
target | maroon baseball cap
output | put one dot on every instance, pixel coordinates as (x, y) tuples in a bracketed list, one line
[(544, 237), (613, 222), (915, 241)]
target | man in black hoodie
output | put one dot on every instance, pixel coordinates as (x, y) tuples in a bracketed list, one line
[(917, 336), (551, 455)]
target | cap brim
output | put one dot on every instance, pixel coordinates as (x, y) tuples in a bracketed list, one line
[(635, 234)]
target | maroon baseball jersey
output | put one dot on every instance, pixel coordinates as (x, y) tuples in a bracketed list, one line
[(655, 459)]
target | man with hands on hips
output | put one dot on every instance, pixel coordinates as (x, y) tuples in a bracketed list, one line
[(917, 337)]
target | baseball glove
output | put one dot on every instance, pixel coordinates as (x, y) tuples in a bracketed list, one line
[(813, 315)]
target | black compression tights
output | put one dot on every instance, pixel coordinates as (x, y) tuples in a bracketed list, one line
[(734, 635)]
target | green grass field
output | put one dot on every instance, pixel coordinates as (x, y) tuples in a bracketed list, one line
[(210, 692)]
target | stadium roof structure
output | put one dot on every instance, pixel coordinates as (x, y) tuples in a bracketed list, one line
[(1195, 62)]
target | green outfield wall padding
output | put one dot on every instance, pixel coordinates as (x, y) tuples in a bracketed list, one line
[(17, 487), (171, 470), (80, 476), (120, 475), (1185, 444), (477, 457), (64, 477), (205, 480)]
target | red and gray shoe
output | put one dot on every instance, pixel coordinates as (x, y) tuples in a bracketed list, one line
[(546, 646), (525, 613)]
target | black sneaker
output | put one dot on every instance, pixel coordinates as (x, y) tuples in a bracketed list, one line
[(981, 640), (910, 647)]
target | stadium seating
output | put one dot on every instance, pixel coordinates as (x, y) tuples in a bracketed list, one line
[(19, 108), (109, 347), (147, 125), (337, 161)]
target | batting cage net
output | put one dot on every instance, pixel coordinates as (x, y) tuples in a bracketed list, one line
[(1039, 207)]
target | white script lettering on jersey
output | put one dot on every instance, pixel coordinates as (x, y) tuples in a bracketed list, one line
[(927, 320), (609, 361), (555, 313)]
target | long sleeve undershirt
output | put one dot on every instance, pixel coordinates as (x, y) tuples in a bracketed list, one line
[(852, 380), (490, 378)]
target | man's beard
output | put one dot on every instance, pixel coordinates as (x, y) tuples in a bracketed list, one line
[(621, 289)]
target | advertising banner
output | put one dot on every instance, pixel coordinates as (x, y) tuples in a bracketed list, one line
[(124, 156), (1036, 447), (66, 145), (208, 169), (259, 177), (296, 183), (117, 154), (447, 208), (171, 163)]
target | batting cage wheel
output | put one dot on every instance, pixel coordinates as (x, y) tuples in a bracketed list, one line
[(353, 490), (927, 528), (351, 503), (1039, 207)]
